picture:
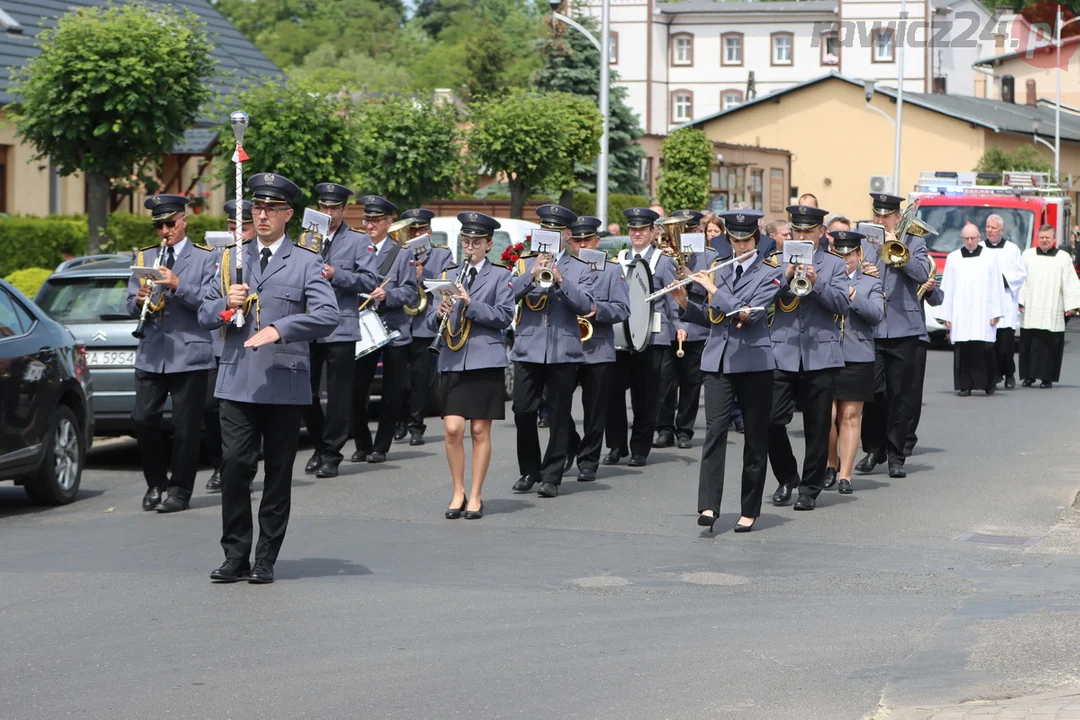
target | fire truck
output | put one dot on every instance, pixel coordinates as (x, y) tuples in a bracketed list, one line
[(1024, 200)]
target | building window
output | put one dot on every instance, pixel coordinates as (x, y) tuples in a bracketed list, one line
[(782, 48), (830, 48), (884, 46), (647, 173), (731, 45), (613, 47), (682, 106), (777, 192), (757, 189), (730, 99), (682, 49)]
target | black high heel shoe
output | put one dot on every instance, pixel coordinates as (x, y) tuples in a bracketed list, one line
[(474, 514), (706, 520), (455, 513), (745, 528)]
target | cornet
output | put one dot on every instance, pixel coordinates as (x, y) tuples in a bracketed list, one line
[(800, 285), (545, 278)]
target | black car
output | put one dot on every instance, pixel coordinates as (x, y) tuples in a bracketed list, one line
[(46, 402)]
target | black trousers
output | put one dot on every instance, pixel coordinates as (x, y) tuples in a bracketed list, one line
[(212, 420), (887, 420), (1004, 352), (330, 430), (243, 426), (188, 391), (421, 381), (530, 382), (917, 390), (641, 373), (595, 381), (754, 391), (685, 377), (395, 361), (814, 390)]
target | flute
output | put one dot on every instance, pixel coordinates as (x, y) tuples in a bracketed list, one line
[(682, 283)]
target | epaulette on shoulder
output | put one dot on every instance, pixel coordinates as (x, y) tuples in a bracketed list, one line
[(833, 252), (613, 260), (578, 259), (500, 266), (771, 261), (441, 247), (207, 248), (305, 247), (149, 247)]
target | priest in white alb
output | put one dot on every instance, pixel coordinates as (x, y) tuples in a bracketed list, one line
[(1051, 293), (1013, 273), (973, 305)]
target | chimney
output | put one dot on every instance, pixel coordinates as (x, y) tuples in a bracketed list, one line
[(1031, 99)]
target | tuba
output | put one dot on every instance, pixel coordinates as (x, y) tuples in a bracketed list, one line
[(895, 252), (399, 230), (671, 238)]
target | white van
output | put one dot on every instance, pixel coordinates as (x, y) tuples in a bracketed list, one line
[(445, 231)]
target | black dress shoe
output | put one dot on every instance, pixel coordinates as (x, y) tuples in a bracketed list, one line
[(614, 457), (542, 422), (262, 573), (327, 469), (213, 485), (870, 461), (1028, 382), (1010, 382), (706, 521), (416, 439), (663, 440), (1046, 384), (231, 571), (805, 502), (845, 487), (400, 431), (963, 393), (896, 470), (745, 528), (313, 463), (782, 495), (151, 499), (830, 478), (586, 475), (548, 490), (455, 513), (475, 514), (990, 390), (376, 457), (358, 456), (525, 483), (172, 504), (684, 443), (637, 461)]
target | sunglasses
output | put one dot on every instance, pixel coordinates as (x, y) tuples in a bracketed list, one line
[(158, 224)]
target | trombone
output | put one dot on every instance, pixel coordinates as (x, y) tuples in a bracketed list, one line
[(719, 265)]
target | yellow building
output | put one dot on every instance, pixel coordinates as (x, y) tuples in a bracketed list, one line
[(841, 149), (1033, 72)]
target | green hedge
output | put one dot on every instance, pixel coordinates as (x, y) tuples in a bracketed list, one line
[(38, 242), (29, 280), (585, 204)]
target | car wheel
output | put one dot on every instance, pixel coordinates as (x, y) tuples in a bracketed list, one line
[(57, 481)]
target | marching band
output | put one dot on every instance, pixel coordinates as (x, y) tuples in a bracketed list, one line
[(818, 323)]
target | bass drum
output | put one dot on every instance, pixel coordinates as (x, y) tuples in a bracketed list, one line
[(635, 333)]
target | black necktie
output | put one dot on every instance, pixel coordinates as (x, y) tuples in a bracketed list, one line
[(637, 256), (325, 248), (170, 258), (471, 278), (738, 272), (265, 258)]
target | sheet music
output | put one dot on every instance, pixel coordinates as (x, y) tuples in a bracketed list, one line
[(694, 242), (420, 245), (440, 287), (596, 258), (220, 239), (546, 241), (317, 221), (799, 252)]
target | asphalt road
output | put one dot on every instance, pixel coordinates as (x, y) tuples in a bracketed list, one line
[(606, 602)]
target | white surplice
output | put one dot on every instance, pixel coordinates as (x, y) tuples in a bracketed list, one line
[(1051, 288), (1013, 271), (974, 295)]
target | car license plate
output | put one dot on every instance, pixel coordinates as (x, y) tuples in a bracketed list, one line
[(107, 358)]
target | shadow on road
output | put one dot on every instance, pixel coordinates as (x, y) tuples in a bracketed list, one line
[(725, 524), (317, 567), (13, 501)]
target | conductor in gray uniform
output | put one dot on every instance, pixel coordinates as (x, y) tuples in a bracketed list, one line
[(264, 381), (806, 343), (350, 268), (174, 356)]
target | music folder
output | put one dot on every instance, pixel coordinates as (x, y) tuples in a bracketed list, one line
[(220, 239), (596, 258), (546, 241), (693, 242), (440, 287), (146, 272), (316, 221), (420, 245), (798, 252)]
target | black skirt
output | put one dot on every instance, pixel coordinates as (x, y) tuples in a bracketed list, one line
[(854, 382), (475, 394)]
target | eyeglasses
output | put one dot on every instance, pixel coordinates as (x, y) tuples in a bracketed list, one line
[(158, 224), (474, 242), (267, 208)]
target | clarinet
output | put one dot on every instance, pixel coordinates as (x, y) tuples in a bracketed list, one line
[(434, 347), (140, 329)]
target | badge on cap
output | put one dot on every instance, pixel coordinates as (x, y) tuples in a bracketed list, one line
[(472, 217), (740, 218), (270, 179), (883, 198), (157, 200), (637, 211)]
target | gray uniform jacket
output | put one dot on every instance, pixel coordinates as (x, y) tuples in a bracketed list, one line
[(903, 310), (612, 299), (490, 311), (933, 299), (549, 333), (867, 310), (174, 341), (400, 291), (732, 348), (354, 273), (297, 300), (806, 335), (699, 261), (664, 273), (439, 260), (217, 337)]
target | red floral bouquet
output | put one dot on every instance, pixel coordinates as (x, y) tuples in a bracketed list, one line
[(512, 253)]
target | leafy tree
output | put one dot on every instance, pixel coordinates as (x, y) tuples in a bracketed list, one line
[(686, 160), (997, 160), (572, 64), (325, 68), (112, 88), (486, 62), (411, 150), (527, 137), (584, 126), (308, 137)]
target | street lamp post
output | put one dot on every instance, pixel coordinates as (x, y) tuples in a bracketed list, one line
[(899, 39), (605, 86), (868, 90)]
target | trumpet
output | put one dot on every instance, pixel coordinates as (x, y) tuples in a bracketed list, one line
[(800, 285), (545, 278), (686, 281), (434, 348)]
